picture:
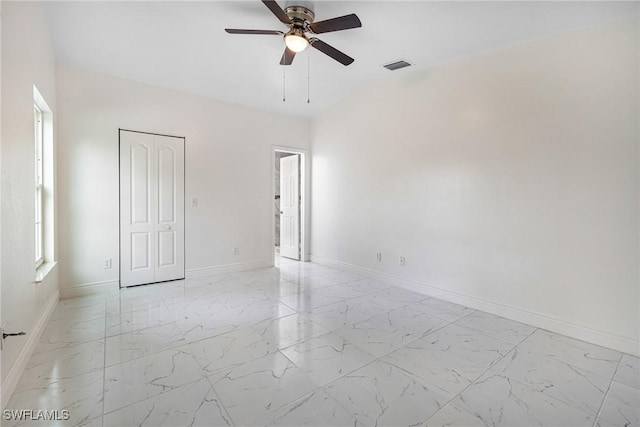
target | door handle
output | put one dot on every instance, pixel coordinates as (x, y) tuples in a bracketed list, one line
[(15, 334), (167, 227)]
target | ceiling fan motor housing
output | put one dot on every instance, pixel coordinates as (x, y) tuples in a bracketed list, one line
[(300, 16)]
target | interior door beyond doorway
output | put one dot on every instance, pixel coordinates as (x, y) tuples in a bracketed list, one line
[(290, 207)]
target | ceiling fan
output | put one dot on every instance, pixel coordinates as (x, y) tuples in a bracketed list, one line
[(300, 21)]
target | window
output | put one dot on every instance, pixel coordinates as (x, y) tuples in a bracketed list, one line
[(39, 191), (43, 162)]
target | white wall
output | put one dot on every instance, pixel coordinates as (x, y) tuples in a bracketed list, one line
[(509, 182), (228, 168), (27, 59)]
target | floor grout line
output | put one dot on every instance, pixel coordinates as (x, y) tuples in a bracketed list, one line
[(483, 373), (606, 394), (104, 363)]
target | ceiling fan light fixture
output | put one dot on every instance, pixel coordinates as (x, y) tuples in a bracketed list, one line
[(296, 41), (301, 20)]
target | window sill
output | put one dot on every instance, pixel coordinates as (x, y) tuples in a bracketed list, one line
[(44, 270)]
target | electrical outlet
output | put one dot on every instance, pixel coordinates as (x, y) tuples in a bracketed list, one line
[(403, 261), (379, 256), (235, 251), (194, 202), (106, 264)]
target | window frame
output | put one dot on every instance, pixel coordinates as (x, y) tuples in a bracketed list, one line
[(39, 184)]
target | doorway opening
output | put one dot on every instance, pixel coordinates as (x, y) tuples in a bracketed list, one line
[(289, 199)]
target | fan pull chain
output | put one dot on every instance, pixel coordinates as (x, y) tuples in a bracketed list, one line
[(308, 78), (284, 97)]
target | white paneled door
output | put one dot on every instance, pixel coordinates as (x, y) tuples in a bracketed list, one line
[(290, 207), (151, 208)]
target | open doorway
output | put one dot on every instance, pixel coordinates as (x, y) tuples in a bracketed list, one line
[(289, 198)]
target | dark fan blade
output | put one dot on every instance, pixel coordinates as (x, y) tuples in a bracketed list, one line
[(287, 56), (277, 10), (331, 51), (267, 32), (336, 24)]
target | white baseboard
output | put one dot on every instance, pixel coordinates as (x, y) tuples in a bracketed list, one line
[(16, 371), (195, 273), (89, 289), (543, 321)]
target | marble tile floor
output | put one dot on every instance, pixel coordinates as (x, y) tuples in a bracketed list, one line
[(304, 344)]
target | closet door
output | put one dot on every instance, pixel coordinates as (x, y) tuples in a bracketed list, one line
[(170, 213), (151, 208)]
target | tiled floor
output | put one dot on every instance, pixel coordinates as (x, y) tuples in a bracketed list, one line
[(304, 344)]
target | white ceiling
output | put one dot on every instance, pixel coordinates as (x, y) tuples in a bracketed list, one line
[(182, 45)]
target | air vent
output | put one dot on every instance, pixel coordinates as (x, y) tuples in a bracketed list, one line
[(396, 65)]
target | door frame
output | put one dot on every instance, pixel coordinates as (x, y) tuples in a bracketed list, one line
[(184, 182), (305, 190)]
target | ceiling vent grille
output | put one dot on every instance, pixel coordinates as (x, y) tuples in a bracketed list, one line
[(396, 65)]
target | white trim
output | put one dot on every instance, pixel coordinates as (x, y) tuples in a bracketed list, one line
[(43, 271), (16, 371), (48, 180), (38, 99), (89, 289), (39, 189), (539, 320), (194, 273), (305, 188)]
